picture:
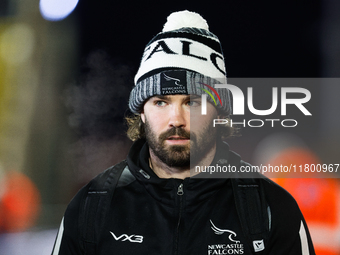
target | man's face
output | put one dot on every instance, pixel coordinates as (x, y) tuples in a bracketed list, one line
[(167, 122)]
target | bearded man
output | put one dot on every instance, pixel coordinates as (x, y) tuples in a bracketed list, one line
[(153, 203)]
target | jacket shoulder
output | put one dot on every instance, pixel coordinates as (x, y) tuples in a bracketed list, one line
[(74, 216)]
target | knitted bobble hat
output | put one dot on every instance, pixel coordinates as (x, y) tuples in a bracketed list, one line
[(185, 58)]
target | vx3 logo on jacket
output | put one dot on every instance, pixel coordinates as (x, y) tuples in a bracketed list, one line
[(125, 237), (234, 247)]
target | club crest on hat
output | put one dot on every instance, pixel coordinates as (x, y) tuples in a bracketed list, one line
[(173, 82)]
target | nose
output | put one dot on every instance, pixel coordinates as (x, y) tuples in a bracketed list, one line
[(178, 117)]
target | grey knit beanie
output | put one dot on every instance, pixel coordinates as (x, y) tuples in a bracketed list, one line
[(185, 58)]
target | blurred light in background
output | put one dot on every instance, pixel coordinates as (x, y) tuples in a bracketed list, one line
[(17, 43), (55, 10), (19, 202), (318, 198), (28, 243)]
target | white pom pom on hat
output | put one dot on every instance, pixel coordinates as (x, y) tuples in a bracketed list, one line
[(181, 19)]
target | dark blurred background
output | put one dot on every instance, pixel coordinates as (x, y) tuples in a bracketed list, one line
[(67, 67)]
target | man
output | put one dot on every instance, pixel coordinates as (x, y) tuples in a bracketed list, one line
[(157, 206)]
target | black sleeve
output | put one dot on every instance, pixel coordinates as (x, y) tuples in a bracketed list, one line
[(68, 240), (289, 234)]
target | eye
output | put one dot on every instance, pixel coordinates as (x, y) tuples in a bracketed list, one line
[(159, 103), (193, 103)]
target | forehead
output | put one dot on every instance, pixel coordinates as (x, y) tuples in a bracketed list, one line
[(176, 99)]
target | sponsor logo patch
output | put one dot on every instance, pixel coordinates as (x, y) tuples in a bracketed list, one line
[(258, 245)]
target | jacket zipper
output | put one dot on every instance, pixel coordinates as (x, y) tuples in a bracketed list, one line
[(180, 193)]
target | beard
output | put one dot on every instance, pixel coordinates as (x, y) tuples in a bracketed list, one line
[(180, 156)]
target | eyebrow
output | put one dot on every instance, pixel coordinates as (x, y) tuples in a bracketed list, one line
[(162, 97), (194, 96)]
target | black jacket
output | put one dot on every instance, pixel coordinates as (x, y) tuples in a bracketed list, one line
[(150, 215)]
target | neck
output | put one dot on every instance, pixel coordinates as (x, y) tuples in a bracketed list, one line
[(162, 170)]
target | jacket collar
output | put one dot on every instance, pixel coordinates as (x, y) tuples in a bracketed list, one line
[(165, 190)]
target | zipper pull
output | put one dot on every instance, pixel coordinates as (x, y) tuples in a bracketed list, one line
[(180, 191), (145, 174)]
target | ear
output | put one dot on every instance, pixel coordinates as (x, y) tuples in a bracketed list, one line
[(142, 116), (221, 114)]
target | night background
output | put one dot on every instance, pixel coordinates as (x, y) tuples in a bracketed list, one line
[(65, 84), (259, 39)]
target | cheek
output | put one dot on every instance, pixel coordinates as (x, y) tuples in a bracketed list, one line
[(198, 121), (156, 124)]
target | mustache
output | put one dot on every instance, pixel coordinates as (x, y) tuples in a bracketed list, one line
[(175, 131)]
